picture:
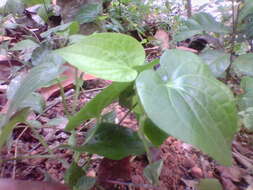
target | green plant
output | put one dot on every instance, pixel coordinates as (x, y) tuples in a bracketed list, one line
[(181, 98)]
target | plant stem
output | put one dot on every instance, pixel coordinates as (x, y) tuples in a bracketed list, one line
[(77, 90), (235, 17), (63, 99), (143, 138), (41, 140), (129, 111)]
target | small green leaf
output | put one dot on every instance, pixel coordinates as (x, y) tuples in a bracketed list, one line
[(247, 118), (24, 44), (109, 117), (154, 133), (184, 100), (217, 61), (186, 34), (246, 10), (88, 13), (6, 130), (244, 64), (110, 56), (209, 184), (36, 78), (153, 171), (207, 23), (246, 99), (73, 174), (94, 107), (36, 2), (56, 121), (85, 183), (72, 27), (34, 123), (112, 141), (35, 101), (40, 55)]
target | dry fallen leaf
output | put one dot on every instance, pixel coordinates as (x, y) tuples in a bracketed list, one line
[(187, 49), (163, 37), (4, 38), (9, 184), (69, 74)]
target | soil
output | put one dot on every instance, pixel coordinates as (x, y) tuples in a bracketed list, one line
[(183, 164)]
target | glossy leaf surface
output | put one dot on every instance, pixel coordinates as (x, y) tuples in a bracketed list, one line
[(184, 100), (112, 141), (110, 56)]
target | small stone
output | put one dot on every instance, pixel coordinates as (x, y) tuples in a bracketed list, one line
[(188, 163), (196, 172)]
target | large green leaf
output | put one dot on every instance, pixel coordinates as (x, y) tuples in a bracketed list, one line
[(6, 130), (217, 61), (88, 12), (244, 64), (110, 56), (97, 104), (184, 100), (112, 141)]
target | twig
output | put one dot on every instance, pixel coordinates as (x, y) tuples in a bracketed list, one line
[(130, 184), (30, 157), (63, 99), (129, 111), (16, 152)]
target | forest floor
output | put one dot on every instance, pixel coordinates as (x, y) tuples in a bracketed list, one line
[(183, 165)]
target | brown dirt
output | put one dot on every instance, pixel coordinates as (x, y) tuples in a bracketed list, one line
[(183, 164)]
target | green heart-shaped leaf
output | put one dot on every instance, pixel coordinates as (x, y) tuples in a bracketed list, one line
[(185, 101), (110, 56)]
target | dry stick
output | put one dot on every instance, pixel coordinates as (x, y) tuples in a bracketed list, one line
[(130, 184), (63, 99), (31, 157), (16, 152)]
